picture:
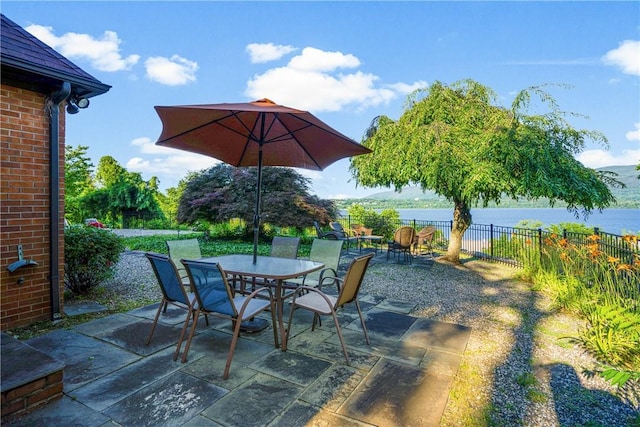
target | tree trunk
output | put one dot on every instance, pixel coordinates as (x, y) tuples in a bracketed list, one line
[(461, 221)]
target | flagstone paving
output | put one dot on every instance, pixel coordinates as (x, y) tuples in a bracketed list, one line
[(112, 378)]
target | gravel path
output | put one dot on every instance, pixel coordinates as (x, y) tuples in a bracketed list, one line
[(516, 370)]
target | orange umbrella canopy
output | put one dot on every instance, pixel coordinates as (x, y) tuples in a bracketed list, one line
[(259, 133), (236, 133)]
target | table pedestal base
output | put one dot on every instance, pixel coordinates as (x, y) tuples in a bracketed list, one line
[(254, 325)]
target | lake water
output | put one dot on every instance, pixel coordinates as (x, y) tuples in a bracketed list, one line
[(615, 221)]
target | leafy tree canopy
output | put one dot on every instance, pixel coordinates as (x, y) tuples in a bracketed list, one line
[(122, 195), (457, 142), (78, 180), (224, 192), (109, 172)]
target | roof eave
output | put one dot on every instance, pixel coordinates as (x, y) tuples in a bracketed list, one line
[(80, 86)]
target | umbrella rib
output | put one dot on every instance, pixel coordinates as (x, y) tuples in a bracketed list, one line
[(249, 137), (300, 145), (215, 121), (250, 131)]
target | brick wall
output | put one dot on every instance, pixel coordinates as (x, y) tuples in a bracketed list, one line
[(31, 396), (24, 206)]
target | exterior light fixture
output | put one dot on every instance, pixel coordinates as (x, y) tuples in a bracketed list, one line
[(72, 108), (75, 103), (82, 102)]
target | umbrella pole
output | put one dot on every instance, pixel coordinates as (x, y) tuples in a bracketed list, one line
[(256, 215)]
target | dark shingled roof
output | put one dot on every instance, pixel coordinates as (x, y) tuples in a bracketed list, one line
[(27, 61)]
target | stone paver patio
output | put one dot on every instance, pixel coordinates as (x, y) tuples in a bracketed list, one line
[(112, 378)]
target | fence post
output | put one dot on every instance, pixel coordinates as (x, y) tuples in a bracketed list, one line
[(491, 240), (540, 242)]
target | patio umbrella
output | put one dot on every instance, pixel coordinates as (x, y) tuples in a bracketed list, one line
[(259, 133)]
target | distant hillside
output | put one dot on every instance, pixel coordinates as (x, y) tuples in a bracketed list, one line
[(413, 197)]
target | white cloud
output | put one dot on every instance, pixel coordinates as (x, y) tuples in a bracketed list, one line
[(311, 174), (310, 81), (312, 59), (634, 135), (168, 164), (172, 71), (408, 88), (601, 158), (103, 53), (147, 146), (265, 52), (626, 57)]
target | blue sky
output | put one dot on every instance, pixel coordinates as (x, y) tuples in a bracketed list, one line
[(346, 62)]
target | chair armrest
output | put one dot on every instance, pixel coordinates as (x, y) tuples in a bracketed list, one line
[(335, 279), (322, 276), (251, 296), (331, 235)]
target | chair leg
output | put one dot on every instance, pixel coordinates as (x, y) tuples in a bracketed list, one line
[(196, 315), (364, 328), (289, 325), (274, 324), (155, 321), (316, 318), (344, 347), (184, 330), (232, 347)]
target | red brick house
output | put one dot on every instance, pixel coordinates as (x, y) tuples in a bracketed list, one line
[(37, 84)]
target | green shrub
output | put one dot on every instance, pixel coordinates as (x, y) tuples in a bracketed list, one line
[(383, 223), (89, 256)]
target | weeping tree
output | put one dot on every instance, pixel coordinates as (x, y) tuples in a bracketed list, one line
[(121, 194), (456, 141)]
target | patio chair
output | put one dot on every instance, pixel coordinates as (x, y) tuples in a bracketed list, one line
[(424, 239), (183, 249), (215, 296), (281, 247), (364, 231), (326, 252), (402, 243), (356, 229), (322, 304), (173, 292), (342, 234), (332, 235), (285, 247)]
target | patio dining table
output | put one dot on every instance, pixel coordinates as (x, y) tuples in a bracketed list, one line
[(268, 268)]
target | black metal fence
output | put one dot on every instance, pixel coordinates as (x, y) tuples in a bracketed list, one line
[(513, 245)]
